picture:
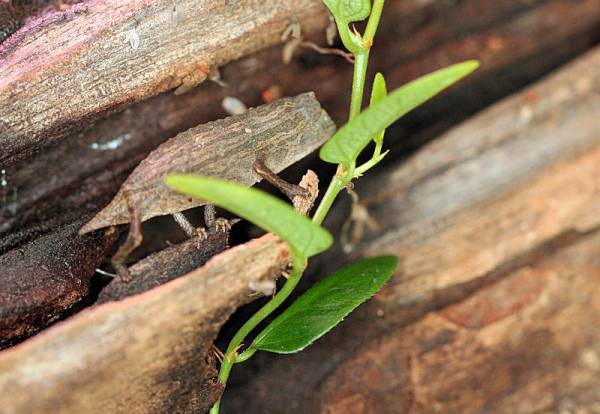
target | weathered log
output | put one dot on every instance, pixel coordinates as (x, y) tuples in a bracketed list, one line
[(13, 13), (105, 54), (496, 225), (315, 362), (146, 354), (88, 168), (43, 279)]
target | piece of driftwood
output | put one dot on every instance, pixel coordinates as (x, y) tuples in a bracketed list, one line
[(279, 134), (87, 168), (149, 353), (66, 68), (43, 279), (496, 225), (166, 265)]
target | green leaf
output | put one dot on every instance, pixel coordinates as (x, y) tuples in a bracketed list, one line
[(378, 92), (348, 142), (304, 237), (325, 305), (346, 11)]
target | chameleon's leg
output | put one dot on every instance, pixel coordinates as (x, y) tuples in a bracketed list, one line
[(134, 239), (213, 223), (290, 190), (188, 228), (185, 225)]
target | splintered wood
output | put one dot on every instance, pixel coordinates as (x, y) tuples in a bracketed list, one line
[(280, 134), (145, 354)]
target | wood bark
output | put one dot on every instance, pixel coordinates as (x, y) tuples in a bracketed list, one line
[(68, 68), (446, 268), (496, 224), (166, 265), (146, 354), (43, 279)]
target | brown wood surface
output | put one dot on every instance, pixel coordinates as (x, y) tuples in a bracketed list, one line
[(165, 265), (146, 354), (497, 228), (503, 196), (45, 278), (67, 68)]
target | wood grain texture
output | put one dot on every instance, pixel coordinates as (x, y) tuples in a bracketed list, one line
[(69, 67), (280, 133), (496, 224), (145, 354)]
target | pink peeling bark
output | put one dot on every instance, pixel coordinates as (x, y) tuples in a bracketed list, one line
[(68, 67)]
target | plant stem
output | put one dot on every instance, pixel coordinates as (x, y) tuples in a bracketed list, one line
[(361, 60), (373, 22), (335, 186), (231, 354), (361, 48)]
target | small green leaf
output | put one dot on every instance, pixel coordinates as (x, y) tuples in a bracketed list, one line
[(325, 305), (378, 92), (348, 142), (304, 237), (379, 89), (346, 11)]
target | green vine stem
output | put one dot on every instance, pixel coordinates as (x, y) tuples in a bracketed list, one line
[(360, 48), (231, 354)]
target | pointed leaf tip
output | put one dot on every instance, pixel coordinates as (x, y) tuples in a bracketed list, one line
[(348, 142)]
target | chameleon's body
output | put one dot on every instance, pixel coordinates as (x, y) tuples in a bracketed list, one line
[(277, 134), (280, 134)]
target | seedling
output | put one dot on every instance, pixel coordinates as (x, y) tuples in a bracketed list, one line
[(280, 134), (324, 305)]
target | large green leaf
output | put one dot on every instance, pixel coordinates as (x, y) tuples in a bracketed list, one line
[(346, 11), (347, 143), (304, 237), (325, 305)]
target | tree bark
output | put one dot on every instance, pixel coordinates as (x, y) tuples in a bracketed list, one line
[(150, 353), (70, 67)]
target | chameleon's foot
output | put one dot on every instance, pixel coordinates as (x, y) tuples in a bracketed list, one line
[(214, 224), (222, 225), (201, 233)]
